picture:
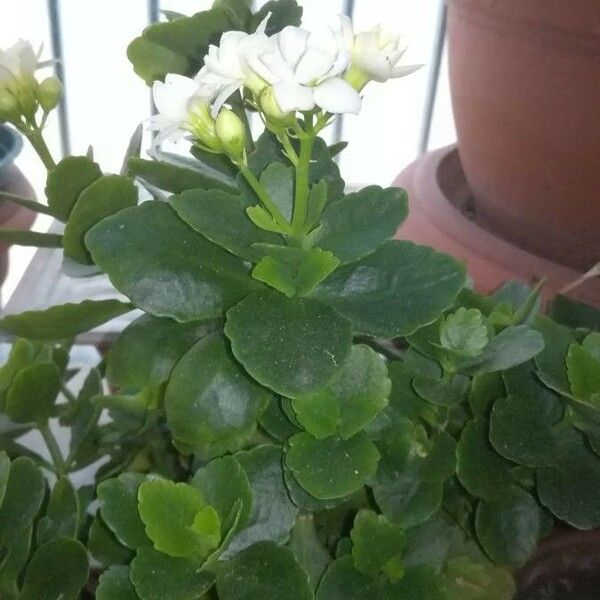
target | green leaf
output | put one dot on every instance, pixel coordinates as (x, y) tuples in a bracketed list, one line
[(395, 290), (333, 467), (583, 371), (283, 13), (105, 196), (574, 314), (317, 200), (343, 582), (30, 238), (115, 584), (318, 413), (148, 349), (176, 519), (512, 346), (276, 423), (294, 346), (221, 217), (223, 483), (359, 223), (177, 46), (409, 482), (32, 396), (482, 471), (63, 321), (57, 570), (273, 514), (119, 508), (4, 472), (417, 584), (215, 166), (464, 332), (468, 580), (22, 353), (324, 168), (449, 391), (15, 554), (293, 271), (174, 272), (551, 362), (215, 403), (509, 529), (23, 497), (522, 425), (104, 547), (158, 576), (377, 545), (569, 487), (70, 177), (238, 12), (485, 388), (278, 181), (262, 572), (174, 178), (310, 552), (362, 389), (62, 514), (262, 219), (26, 203)]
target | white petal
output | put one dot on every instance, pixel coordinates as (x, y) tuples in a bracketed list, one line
[(222, 98), (337, 96), (367, 41), (278, 67), (376, 65), (292, 97), (292, 44), (173, 96), (312, 66), (403, 70), (254, 63)]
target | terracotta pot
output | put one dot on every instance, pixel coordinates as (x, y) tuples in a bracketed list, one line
[(444, 214), (566, 566), (525, 81), (13, 181)]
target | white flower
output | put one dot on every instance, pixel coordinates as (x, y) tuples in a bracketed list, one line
[(18, 61), (225, 67), (175, 100), (304, 69), (376, 57)]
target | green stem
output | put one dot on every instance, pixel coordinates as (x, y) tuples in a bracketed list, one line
[(302, 186), (68, 394), (53, 447), (289, 149), (261, 192), (36, 139)]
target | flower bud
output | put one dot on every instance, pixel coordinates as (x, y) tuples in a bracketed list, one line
[(49, 92), (273, 113), (231, 133), (202, 126), (9, 109)]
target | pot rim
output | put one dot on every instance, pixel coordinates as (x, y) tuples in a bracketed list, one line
[(435, 203)]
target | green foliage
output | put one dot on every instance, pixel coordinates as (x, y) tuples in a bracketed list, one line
[(306, 408), (64, 321), (105, 196), (294, 346), (177, 520), (65, 183)]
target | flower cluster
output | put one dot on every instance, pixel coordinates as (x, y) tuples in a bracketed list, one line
[(292, 71), (20, 93)]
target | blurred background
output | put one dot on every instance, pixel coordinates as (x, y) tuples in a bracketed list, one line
[(105, 100)]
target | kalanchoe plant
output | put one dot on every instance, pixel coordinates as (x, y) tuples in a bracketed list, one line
[(307, 408)]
